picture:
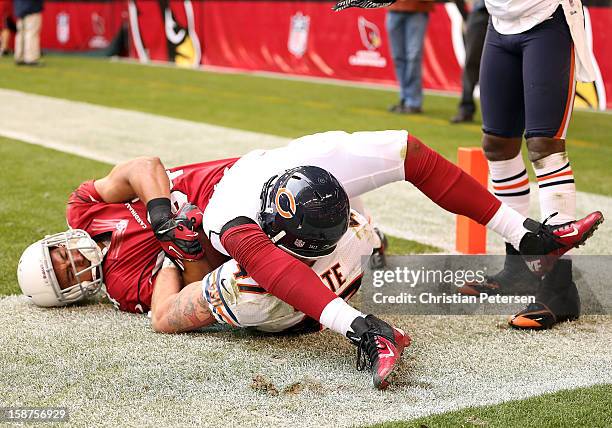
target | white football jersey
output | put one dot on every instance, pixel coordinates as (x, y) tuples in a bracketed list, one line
[(517, 16), (361, 161), (236, 299)]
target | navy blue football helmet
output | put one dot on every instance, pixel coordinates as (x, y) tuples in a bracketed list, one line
[(304, 211)]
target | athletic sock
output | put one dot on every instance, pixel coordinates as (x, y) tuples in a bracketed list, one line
[(509, 224), (338, 316), (452, 189), (511, 183), (446, 184), (557, 190)]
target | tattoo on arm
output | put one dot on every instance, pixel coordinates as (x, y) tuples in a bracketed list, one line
[(189, 311)]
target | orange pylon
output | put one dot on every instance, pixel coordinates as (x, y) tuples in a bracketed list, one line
[(471, 237)]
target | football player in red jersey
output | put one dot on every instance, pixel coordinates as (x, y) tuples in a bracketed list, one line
[(272, 210), (130, 240)]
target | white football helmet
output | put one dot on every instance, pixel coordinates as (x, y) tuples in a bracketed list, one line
[(37, 278)]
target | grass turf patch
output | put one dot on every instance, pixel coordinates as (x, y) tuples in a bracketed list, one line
[(580, 407), (284, 107), (400, 246), (35, 183)]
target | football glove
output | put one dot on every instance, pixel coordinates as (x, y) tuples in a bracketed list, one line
[(364, 4), (179, 234)]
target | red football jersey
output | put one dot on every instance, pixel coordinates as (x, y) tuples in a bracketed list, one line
[(134, 255), (196, 182)]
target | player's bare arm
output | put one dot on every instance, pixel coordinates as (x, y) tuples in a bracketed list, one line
[(143, 178), (175, 309)]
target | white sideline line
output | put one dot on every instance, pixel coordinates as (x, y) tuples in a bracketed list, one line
[(31, 139), (114, 135)]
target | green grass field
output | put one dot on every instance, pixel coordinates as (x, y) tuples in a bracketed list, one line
[(582, 407), (280, 107)]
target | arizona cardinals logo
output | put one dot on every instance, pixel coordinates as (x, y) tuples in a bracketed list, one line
[(285, 202), (182, 41), (369, 33)]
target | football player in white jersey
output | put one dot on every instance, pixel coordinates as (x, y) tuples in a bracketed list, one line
[(534, 53), (278, 211), (273, 209), (236, 299)]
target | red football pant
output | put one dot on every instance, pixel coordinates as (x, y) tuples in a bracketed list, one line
[(446, 184)]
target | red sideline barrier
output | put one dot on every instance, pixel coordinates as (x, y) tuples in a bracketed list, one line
[(303, 38), (294, 37), (79, 26), (307, 38)]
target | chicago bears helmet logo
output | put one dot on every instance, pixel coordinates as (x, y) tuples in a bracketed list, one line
[(285, 202)]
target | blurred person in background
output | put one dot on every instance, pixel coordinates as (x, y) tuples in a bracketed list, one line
[(29, 22), (406, 25), (7, 26), (475, 33)]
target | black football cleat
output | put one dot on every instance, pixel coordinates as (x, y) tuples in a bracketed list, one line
[(542, 246), (378, 259), (536, 316), (379, 346), (557, 301), (514, 278)]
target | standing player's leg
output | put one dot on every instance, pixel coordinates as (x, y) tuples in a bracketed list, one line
[(549, 86), (503, 114), (19, 41)]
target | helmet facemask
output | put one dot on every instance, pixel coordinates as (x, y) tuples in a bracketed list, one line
[(74, 239)]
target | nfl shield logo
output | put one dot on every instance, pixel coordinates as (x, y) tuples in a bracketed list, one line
[(62, 27), (298, 34)]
